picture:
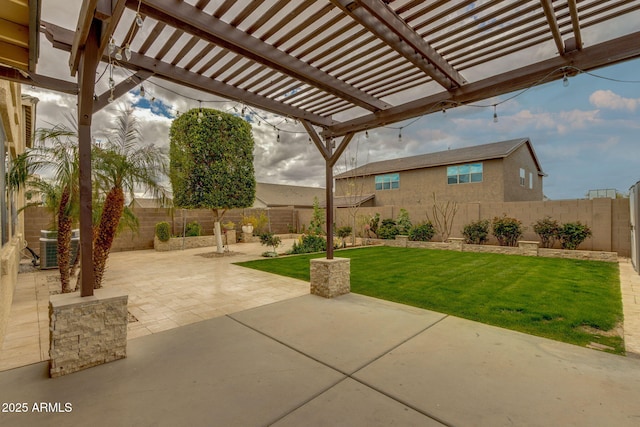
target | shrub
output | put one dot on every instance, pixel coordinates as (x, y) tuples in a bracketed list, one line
[(372, 227), (162, 231), (343, 233), (309, 243), (572, 234), (403, 222), (192, 229), (549, 231), (316, 226), (476, 232), (422, 232), (270, 239), (388, 229), (507, 230)]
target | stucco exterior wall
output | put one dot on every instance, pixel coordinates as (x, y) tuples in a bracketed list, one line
[(11, 121), (513, 191)]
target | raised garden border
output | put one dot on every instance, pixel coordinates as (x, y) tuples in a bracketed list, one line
[(525, 247)]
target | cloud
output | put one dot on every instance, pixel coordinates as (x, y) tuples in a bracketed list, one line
[(612, 101)]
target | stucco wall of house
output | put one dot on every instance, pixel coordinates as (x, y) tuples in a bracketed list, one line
[(417, 186), (513, 190)]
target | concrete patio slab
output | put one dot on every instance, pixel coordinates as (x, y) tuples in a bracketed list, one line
[(346, 333), (215, 372), (353, 404), (473, 374)]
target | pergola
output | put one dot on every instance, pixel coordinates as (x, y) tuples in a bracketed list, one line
[(339, 66)]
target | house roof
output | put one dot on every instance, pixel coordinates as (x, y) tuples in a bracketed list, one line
[(274, 195), (348, 201), (495, 150), (19, 37)]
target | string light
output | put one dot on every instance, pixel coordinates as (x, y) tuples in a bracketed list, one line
[(565, 80), (495, 113), (366, 134), (118, 55), (142, 91), (127, 52), (400, 135), (200, 113)]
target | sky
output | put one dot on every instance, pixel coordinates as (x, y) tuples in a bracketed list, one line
[(586, 135)]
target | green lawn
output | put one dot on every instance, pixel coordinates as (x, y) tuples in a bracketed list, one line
[(566, 300)]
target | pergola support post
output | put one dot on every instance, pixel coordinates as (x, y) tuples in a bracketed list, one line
[(86, 84)]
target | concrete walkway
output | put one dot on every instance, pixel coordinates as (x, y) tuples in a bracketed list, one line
[(350, 361)]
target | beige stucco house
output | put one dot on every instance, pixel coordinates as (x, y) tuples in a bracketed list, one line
[(506, 171)]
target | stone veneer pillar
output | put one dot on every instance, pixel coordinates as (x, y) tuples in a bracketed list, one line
[(528, 248), (330, 277), (86, 331)]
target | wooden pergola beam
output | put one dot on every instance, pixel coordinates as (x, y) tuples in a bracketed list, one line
[(607, 53), (33, 79), (575, 23), (378, 19), (193, 21)]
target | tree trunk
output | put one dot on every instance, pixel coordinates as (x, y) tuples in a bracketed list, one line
[(64, 242), (218, 233), (111, 213)]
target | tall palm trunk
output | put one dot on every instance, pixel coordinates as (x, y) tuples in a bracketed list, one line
[(111, 213), (64, 241)]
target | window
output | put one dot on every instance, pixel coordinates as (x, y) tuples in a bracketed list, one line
[(463, 174), (390, 181), (522, 175), (530, 180)]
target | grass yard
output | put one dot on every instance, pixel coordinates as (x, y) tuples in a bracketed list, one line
[(573, 301)]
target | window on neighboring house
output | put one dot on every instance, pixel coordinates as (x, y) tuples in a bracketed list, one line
[(463, 174), (390, 181), (530, 180), (522, 175)]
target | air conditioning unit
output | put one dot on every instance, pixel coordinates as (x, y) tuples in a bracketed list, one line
[(49, 248)]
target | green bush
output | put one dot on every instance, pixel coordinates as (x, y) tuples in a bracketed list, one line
[(163, 231), (548, 230), (403, 222), (572, 234), (388, 229), (192, 229), (309, 243), (270, 239), (507, 230), (476, 232), (422, 232), (343, 232), (372, 226)]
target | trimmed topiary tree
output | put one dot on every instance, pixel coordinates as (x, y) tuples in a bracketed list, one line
[(163, 231), (211, 166)]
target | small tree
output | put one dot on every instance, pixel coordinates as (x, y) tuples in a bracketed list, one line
[(343, 233), (548, 230), (316, 226), (211, 166), (270, 239), (507, 230), (572, 234), (403, 222), (442, 216)]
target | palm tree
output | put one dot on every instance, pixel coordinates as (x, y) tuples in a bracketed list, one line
[(122, 165), (55, 155)]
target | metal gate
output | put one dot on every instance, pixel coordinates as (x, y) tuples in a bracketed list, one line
[(634, 195)]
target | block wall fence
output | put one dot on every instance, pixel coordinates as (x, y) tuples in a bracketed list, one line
[(609, 220)]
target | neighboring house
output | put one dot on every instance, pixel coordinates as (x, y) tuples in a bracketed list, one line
[(504, 171), (278, 195)]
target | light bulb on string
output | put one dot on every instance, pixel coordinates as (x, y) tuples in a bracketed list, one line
[(110, 99), (495, 113), (142, 93), (112, 47), (118, 55), (278, 137), (565, 80), (200, 113), (139, 20), (366, 134), (400, 135), (112, 83), (127, 52)]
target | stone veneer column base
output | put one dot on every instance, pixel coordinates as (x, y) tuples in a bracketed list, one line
[(330, 277), (86, 331)]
